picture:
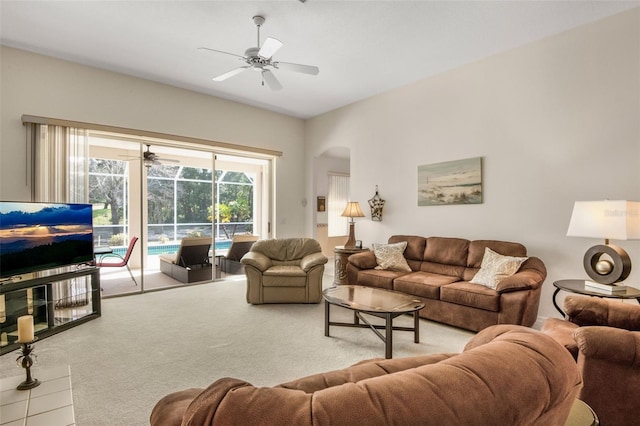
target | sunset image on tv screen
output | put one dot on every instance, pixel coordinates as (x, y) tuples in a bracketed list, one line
[(38, 236)]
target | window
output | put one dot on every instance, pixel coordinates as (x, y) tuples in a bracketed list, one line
[(336, 202), (235, 202), (179, 202), (108, 192)]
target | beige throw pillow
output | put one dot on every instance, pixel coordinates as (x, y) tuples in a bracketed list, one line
[(496, 267), (390, 256)]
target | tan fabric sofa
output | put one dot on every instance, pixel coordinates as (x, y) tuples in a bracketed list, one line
[(507, 375), (286, 270), (441, 269)]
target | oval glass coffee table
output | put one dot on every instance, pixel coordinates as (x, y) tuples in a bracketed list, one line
[(381, 303)]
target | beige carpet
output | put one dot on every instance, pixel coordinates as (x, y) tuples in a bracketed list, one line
[(145, 346)]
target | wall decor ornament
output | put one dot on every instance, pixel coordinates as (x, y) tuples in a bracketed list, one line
[(376, 203), (451, 182)]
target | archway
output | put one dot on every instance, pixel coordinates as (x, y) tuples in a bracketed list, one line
[(336, 160)]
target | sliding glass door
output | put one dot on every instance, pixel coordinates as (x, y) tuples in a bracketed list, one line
[(114, 190), (179, 216), (167, 195)]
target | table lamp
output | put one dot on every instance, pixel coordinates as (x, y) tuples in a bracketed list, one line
[(352, 210), (617, 220)]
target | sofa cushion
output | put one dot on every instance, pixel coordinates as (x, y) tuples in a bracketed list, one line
[(448, 251), (495, 267), (445, 256), (423, 284), (415, 246), (467, 294), (378, 278), (390, 256)]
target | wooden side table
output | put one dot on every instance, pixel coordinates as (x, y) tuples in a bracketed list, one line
[(341, 254)]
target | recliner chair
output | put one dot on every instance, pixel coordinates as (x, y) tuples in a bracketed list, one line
[(604, 337), (287, 270)]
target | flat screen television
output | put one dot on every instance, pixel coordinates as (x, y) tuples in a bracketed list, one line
[(38, 236)]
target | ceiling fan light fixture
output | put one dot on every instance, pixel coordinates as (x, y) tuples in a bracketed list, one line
[(259, 58)]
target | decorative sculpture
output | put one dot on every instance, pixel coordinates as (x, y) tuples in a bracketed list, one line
[(376, 203)]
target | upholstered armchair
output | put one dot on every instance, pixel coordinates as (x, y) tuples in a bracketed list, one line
[(287, 270), (588, 311), (604, 336)]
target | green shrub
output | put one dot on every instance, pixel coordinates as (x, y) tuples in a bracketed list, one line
[(117, 240)]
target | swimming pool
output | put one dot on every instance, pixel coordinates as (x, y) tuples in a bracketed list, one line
[(156, 249)]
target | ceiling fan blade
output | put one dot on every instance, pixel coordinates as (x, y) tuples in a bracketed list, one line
[(271, 80), (269, 47), (231, 73), (305, 69), (220, 51)]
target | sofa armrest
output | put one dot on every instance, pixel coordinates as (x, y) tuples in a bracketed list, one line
[(203, 407), (585, 311), (363, 260), (531, 274), (171, 408), (311, 260), (257, 260), (614, 345)]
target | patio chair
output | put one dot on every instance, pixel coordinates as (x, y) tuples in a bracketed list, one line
[(191, 262), (230, 261), (104, 261)]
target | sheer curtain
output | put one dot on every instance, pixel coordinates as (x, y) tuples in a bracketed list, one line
[(336, 202), (60, 175)]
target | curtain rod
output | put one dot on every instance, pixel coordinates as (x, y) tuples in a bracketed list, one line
[(32, 119)]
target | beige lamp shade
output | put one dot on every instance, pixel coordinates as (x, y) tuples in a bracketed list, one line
[(352, 210), (617, 220)]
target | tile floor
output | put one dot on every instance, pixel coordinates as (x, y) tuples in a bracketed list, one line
[(49, 404)]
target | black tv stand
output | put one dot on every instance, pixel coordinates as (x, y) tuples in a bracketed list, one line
[(35, 297)]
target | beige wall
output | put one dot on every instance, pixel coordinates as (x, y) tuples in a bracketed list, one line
[(38, 85), (555, 121)]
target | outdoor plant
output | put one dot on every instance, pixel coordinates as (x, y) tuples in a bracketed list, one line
[(117, 240)]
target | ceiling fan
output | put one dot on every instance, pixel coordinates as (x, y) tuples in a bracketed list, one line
[(151, 158), (259, 59)]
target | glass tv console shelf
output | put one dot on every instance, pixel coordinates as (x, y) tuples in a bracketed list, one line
[(57, 302)]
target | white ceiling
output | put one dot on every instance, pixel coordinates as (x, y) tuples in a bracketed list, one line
[(361, 47)]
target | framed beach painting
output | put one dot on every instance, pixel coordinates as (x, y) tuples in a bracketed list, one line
[(451, 182)]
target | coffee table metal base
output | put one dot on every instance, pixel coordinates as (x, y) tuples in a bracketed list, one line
[(388, 326)]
